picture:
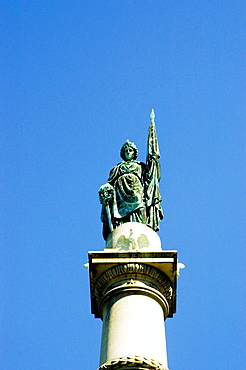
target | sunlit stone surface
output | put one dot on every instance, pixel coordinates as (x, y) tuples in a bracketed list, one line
[(133, 236)]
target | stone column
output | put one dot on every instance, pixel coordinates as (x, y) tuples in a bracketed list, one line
[(133, 293)]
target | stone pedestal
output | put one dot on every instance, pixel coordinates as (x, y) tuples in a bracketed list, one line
[(133, 293), (133, 237)]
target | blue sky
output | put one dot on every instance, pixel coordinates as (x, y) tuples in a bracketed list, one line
[(78, 78)]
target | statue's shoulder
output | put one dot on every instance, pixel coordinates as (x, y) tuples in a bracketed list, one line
[(114, 170), (142, 164), (116, 167)]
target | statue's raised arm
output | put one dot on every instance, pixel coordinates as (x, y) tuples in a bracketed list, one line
[(152, 177)]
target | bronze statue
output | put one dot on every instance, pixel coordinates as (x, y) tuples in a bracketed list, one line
[(131, 193)]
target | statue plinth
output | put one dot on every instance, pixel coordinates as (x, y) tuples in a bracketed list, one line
[(133, 293)]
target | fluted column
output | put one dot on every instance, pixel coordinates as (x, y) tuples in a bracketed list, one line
[(133, 293)]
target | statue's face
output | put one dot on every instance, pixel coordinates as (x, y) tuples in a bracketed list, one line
[(129, 153)]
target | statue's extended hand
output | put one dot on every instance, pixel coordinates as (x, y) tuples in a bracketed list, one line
[(106, 194)]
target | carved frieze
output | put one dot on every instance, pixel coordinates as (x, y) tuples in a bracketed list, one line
[(136, 269), (148, 279)]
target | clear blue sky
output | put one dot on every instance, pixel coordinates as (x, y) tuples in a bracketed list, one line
[(78, 78)]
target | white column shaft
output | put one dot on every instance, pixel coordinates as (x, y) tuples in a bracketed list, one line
[(133, 325)]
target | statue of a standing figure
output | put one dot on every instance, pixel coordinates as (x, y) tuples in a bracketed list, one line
[(131, 193)]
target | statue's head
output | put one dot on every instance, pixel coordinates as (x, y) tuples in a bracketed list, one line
[(128, 151)]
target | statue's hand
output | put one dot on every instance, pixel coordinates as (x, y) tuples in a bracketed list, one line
[(106, 194), (154, 156)]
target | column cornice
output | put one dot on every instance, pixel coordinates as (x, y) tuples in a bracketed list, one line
[(157, 270)]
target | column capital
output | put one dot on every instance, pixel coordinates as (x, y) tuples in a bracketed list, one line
[(147, 273)]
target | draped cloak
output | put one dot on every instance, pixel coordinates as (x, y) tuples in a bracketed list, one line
[(136, 196)]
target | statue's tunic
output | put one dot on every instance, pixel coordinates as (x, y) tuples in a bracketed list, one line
[(127, 180), (128, 205), (136, 195)]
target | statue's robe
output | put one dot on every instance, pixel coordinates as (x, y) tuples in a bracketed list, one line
[(137, 197)]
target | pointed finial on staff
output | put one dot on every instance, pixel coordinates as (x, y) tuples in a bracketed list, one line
[(152, 115), (152, 142)]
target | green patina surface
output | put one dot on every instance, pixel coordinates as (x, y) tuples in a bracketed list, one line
[(131, 193)]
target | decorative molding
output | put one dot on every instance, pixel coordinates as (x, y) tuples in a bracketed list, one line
[(157, 280), (134, 362), (136, 269)]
